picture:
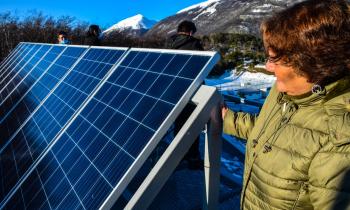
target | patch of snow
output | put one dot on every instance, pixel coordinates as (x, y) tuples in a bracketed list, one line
[(260, 66), (259, 10), (208, 11), (265, 8), (200, 5), (234, 167)]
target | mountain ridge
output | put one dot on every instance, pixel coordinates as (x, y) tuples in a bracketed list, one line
[(226, 16)]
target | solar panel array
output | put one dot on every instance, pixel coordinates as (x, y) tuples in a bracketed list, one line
[(79, 121)]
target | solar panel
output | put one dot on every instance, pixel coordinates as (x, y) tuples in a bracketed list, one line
[(83, 137), (91, 161), (39, 130)]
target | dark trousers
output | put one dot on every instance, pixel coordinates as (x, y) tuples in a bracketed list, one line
[(193, 152)]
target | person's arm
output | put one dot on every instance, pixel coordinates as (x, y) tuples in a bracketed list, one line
[(238, 124)]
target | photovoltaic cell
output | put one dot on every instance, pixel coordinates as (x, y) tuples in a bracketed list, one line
[(37, 133), (102, 148)]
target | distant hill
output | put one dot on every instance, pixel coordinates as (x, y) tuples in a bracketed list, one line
[(222, 16), (135, 26)]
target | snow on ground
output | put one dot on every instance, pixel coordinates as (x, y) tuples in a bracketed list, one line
[(233, 81)]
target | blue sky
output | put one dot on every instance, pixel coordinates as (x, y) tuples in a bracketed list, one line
[(102, 12)]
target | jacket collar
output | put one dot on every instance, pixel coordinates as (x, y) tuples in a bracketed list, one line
[(330, 91)]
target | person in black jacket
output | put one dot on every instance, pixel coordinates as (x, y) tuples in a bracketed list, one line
[(184, 40), (93, 36)]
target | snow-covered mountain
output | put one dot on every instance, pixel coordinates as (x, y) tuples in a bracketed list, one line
[(213, 16), (135, 26)]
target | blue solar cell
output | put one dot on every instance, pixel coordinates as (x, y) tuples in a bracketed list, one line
[(156, 118), (159, 85), (151, 58), (134, 79), (120, 95), (161, 62), (129, 58), (25, 57), (130, 102), (54, 113), (193, 66), (176, 90), (93, 154), (142, 108), (137, 60), (176, 64), (146, 81), (135, 144)]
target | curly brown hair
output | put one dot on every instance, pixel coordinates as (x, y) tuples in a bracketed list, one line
[(313, 37)]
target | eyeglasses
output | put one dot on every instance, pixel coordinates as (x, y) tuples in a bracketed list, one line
[(275, 60), (272, 59)]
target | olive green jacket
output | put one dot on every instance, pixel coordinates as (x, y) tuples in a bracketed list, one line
[(298, 150)]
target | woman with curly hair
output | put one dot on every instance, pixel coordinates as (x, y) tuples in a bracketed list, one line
[(298, 148)]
